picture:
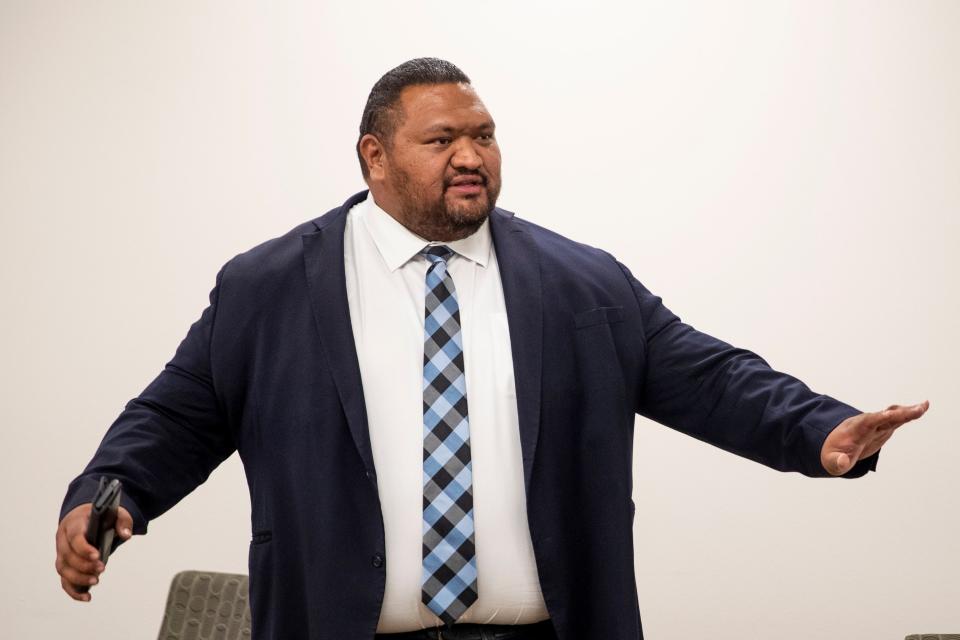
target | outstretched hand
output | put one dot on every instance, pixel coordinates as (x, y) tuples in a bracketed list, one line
[(861, 436)]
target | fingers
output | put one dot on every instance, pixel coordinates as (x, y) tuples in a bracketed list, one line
[(72, 591), (908, 412), (124, 526), (897, 415), (82, 549), (74, 577), (68, 559), (77, 562), (890, 418)]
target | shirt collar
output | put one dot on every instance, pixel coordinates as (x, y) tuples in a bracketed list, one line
[(397, 244)]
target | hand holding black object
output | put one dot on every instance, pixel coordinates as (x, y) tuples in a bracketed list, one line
[(103, 519), (78, 561)]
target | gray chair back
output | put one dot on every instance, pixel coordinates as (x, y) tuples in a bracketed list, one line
[(203, 605)]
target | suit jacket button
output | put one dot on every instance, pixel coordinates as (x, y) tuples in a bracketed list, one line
[(377, 560)]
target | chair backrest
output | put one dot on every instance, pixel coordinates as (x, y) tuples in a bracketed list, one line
[(204, 605), (934, 636)]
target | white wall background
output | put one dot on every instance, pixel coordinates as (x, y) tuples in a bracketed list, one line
[(785, 174)]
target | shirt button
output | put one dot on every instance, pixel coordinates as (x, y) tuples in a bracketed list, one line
[(377, 560)]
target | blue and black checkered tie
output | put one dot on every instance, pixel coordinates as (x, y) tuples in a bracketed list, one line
[(449, 582)]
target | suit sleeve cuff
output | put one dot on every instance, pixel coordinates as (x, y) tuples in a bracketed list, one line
[(82, 490)]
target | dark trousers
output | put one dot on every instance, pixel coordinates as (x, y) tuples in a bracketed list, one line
[(536, 631)]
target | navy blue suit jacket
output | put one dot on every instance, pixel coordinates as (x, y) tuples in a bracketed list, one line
[(270, 370)]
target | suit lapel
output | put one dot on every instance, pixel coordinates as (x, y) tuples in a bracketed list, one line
[(326, 283), (518, 259)]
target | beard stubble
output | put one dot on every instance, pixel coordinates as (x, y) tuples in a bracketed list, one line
[(431, 218)]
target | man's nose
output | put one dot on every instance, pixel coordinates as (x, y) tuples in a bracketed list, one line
[(465, 156)]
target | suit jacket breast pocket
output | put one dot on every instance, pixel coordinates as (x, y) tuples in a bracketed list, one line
[(599, 315), (598, 362)]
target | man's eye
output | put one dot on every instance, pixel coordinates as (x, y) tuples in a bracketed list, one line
[(441, 141)]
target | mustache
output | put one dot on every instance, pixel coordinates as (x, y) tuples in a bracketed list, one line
[(448, 181)]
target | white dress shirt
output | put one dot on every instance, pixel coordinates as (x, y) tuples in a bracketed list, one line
[(385, 290)]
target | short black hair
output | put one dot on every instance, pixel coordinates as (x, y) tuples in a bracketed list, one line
[(381, 117)]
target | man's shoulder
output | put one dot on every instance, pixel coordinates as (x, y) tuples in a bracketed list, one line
[(556, 248), (277, 256)]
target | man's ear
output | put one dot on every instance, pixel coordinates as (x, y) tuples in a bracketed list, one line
[(372, 152)]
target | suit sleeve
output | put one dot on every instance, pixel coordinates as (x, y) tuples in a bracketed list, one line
[(168, 439), (730, 397)]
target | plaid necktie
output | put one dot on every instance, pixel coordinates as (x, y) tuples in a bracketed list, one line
[(449, 581)]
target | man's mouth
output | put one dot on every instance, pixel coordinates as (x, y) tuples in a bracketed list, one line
[(466, 185)]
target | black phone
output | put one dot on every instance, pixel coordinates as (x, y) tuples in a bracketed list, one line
[(101, 529)]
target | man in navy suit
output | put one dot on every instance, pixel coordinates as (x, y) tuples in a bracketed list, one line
[(434, 402)]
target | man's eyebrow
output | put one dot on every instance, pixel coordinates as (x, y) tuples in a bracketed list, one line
[(446, 128)]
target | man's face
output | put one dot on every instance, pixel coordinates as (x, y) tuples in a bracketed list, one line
[(441, 170)]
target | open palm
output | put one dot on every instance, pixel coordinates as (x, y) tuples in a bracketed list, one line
[(861, 436)]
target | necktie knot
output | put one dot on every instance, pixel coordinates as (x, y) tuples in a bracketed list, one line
[(437, 253)]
